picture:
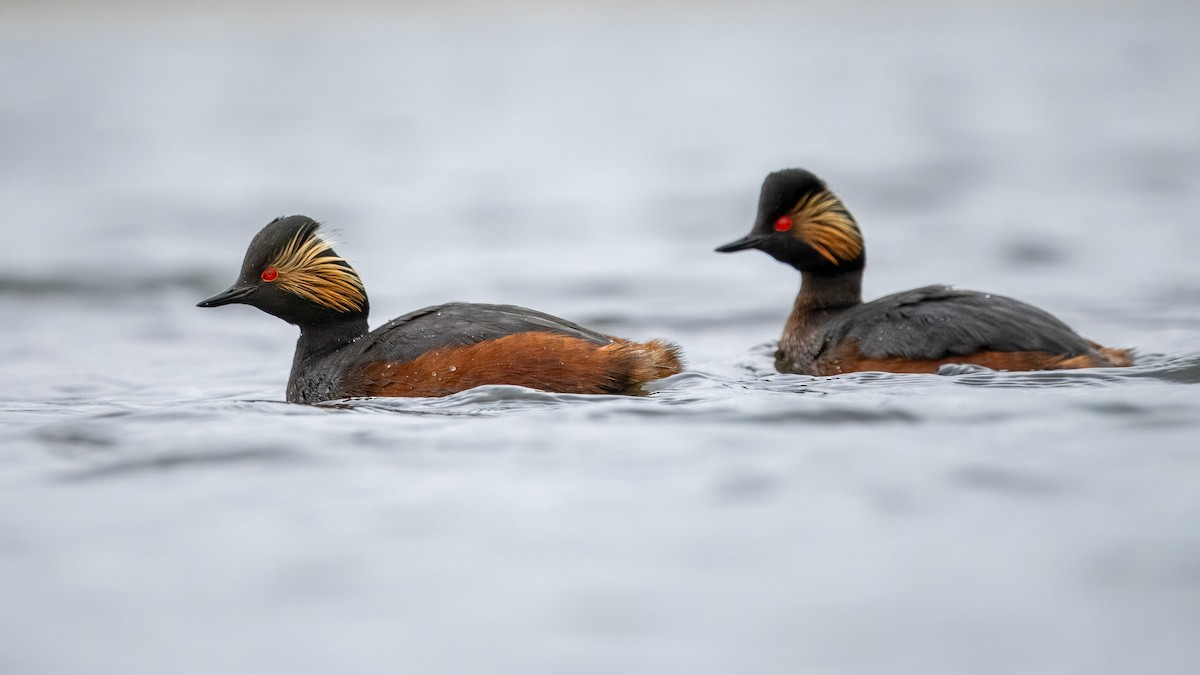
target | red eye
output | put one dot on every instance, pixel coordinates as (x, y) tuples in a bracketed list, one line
[(783, 224), (270, 274)]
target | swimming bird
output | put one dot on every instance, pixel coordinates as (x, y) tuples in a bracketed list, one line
[(802, 223), (292, 272)]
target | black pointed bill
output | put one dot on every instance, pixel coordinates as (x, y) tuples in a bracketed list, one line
[(228, 297), (749, 241)]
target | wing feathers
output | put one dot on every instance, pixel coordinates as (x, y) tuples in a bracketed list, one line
[(937, 321)]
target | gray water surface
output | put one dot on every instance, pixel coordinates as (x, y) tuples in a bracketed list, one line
[(162, 510)]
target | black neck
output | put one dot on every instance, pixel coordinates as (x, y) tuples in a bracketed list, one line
[(824, 291), (323, 338)]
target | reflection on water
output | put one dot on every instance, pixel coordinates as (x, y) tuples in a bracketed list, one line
[(162, 510)]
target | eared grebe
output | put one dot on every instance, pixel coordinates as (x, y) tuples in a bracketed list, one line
[(831, 330), (292, 272)]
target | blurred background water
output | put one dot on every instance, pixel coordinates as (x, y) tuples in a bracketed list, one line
[(162, 510)]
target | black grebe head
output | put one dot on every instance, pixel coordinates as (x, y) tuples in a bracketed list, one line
[(802, 223), (291, 271)]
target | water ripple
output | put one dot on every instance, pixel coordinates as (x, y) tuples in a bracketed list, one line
[(182, 460), (104, 284)]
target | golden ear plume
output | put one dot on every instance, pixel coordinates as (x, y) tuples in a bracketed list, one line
[(824, 224), (309, 268)]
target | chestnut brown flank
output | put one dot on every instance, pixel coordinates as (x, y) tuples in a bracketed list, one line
[(849, 360), (546, 361)]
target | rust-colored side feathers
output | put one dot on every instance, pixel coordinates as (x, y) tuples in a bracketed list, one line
[(545, 361)]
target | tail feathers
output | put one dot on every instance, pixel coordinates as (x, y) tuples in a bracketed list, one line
[(636, 363), (1101, 357), (1117, 357)]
